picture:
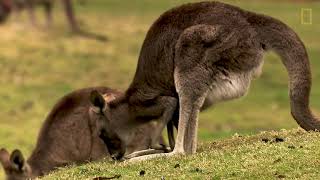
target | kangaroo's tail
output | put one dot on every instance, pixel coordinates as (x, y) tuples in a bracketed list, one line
[(277, 36)]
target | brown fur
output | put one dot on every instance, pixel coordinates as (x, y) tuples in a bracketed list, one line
[(207, 52), (72, 133)]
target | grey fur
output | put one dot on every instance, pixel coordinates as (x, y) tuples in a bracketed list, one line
[(207, 52), (126, 129)]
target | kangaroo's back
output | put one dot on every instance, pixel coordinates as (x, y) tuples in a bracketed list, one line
[(158, 49)]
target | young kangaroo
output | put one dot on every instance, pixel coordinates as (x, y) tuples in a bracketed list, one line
[(203, 53), (19, 5), (72, 133)]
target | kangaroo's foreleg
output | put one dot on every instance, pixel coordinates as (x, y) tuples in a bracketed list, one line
[(170, 132), (187, 131), (170, 104), (162, 108)]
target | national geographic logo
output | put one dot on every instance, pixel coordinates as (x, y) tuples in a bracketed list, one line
[(306, 16)]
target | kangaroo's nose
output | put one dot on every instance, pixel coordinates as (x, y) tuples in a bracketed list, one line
[(117, 156), (114, 157)]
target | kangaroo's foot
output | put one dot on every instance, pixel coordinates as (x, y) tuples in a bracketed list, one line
[(152, 156), (143, 153), (162, 149)]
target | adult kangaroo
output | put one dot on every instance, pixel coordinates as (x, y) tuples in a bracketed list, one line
[(7, 6), (74, 132), (18, 5), (203, 53)]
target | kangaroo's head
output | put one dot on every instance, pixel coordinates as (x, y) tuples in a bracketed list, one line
[(101, 116), (14, 165)]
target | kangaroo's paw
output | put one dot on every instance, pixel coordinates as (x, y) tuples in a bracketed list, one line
[(162, 147)]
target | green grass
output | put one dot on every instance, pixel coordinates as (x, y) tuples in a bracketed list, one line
[(38, 67), (240, 157)]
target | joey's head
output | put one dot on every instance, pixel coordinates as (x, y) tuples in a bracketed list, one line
[(14, 165), (103, 116), (5, 10)]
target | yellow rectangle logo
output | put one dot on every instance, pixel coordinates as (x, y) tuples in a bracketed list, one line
[(306, 16)]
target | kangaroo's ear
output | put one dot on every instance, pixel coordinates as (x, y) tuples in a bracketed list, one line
[(4, 157), (17, 160), (97, 99)]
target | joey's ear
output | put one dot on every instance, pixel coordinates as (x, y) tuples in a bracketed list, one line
[(97, 99), (17, 160), (4, 157)]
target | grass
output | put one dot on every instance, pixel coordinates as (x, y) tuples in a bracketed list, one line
[(262, 156), (38, 67)]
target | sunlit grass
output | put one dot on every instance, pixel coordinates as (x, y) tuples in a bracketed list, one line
[(268, 155)]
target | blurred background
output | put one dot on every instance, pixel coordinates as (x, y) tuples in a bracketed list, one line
[(37, 67)]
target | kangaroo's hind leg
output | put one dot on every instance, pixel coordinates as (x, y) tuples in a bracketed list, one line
[(48, 5), (31, 11), (197, 51), (219, 60), (70, 15)]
